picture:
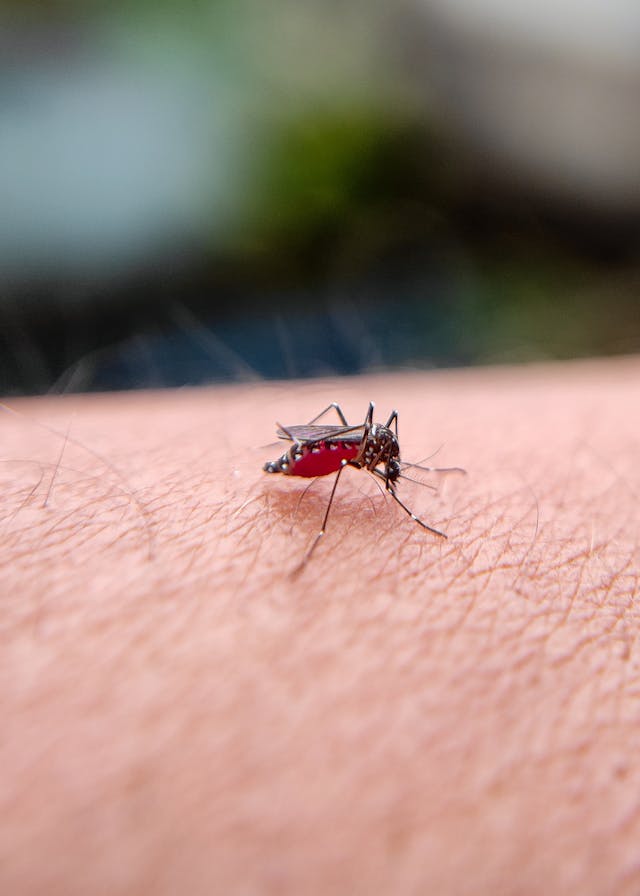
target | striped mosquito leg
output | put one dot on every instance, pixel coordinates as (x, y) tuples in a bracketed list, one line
[(306, 557), (413, 516), (393, 419), (333, 406)]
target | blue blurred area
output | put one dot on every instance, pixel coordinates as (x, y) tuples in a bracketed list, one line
[(116, 149), (344, 337), (239, 189)]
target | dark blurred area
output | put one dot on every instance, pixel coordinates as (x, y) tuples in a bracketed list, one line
[(238, 190)]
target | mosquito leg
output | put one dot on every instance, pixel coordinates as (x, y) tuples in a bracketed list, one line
[(393, 419), (368, 420), (336, 407), (380, 476), (306, 557), (288, 434), (413, 516)]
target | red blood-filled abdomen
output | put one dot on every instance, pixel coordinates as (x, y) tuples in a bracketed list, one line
[(322, 458)]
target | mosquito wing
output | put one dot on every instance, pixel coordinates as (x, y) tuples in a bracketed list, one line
[(311, 433)]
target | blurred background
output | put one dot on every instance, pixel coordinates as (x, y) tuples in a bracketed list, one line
[(233, 190)]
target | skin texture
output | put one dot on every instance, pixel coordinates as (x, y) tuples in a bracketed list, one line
[(408, 715)]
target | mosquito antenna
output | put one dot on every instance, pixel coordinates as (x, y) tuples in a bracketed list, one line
[(404, 463)]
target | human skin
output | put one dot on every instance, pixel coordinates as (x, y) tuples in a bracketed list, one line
[(407, 715)]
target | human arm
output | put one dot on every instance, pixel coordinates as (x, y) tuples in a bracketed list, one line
[(406, 715)]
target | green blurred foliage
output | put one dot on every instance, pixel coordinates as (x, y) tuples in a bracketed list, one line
[(328, 173)]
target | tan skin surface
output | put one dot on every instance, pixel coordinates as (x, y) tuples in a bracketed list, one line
[(407, 716)]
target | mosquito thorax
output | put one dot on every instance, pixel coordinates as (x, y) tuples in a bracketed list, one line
[(381, 447)]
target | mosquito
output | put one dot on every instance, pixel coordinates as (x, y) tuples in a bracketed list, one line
[(318, 450)]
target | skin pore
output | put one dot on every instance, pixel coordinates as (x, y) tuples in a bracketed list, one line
[(406, 715)]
